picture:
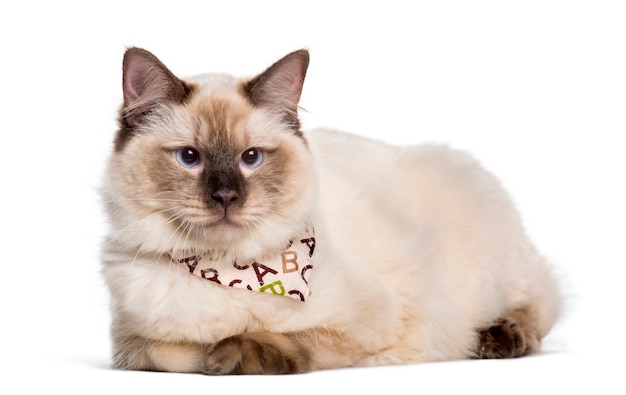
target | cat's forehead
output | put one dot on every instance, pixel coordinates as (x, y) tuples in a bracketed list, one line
[(217, 101), (216, 111), (219, 111), (217, 97), (215, 83)]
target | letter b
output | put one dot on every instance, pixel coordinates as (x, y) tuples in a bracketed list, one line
[(290, 261)]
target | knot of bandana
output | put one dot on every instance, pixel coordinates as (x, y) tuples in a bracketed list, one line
[(286, 273)]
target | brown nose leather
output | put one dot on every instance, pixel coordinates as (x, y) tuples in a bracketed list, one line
[(225, 196)]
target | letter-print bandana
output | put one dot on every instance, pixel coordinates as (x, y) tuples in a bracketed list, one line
[(286, 273)]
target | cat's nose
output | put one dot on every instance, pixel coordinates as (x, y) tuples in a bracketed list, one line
[(225, 195)]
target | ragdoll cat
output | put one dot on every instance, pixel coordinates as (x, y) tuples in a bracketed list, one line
[(241, 245)]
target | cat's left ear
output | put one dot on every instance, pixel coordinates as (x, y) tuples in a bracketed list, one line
[(280, 86)]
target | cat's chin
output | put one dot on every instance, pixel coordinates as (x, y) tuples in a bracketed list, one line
[(244, 240), (224, 232), (228, 236)]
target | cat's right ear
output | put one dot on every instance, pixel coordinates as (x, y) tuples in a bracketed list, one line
[(147, 83)]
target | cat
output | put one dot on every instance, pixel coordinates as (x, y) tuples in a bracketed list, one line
[(240, 244)]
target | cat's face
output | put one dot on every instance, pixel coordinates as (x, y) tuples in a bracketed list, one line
[(210, 163)]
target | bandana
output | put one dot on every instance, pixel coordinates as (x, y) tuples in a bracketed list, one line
[(286, 273)]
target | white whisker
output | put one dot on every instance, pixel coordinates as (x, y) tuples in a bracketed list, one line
[(128, 227)]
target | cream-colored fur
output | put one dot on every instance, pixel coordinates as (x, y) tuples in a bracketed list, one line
[(416, 249)]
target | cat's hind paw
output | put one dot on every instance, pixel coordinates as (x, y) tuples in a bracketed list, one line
[(511, 336)]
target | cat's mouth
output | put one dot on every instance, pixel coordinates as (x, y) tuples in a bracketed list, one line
[(211, 225), (213, 231), (225, 222), (209, 218)]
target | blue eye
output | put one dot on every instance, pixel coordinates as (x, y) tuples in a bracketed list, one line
[(252, 157), (188, 157)]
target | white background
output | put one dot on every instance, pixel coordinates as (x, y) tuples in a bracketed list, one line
[(535, 89)]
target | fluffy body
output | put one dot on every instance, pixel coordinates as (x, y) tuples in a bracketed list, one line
[(419, 250)]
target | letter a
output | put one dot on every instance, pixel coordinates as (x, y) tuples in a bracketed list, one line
[(260, 274), (310, 242), (191, 262)]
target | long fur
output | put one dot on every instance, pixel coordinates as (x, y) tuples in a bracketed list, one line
[(419, 250)]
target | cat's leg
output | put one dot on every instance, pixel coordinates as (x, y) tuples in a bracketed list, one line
[(246, 353), (280, 353), (514, 335), (138, 353)]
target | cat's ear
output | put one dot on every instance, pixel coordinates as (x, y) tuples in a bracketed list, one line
[(280, 86), (147, 83)]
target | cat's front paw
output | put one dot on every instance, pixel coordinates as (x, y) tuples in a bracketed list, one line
[(256, 353)]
